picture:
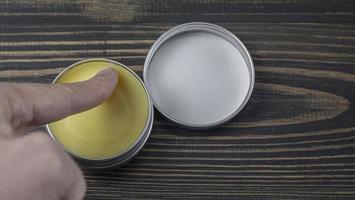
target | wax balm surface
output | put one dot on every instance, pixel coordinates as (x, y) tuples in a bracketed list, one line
[(110, 128)]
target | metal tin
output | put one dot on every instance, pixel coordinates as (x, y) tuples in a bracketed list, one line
[(199, 75), (125, 156)]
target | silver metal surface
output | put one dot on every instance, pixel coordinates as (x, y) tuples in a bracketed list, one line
[(199, 75), (123, 157)]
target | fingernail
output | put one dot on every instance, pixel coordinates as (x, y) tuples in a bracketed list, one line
[(110, 74), (106, 71)]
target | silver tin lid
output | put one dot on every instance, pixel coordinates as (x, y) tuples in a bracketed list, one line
[(199, 75)]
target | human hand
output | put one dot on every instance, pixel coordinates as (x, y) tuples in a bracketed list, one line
[(32, 166)]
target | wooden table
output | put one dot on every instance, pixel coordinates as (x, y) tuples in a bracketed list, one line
[(294, 140)]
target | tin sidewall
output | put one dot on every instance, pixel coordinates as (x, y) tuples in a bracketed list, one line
[(122, 160)]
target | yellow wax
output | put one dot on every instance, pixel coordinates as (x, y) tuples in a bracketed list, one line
[(110, 128)]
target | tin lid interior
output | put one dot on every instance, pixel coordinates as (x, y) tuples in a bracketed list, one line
[(199, 75)]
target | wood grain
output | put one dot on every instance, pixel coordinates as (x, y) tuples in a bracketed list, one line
[(295, 138)]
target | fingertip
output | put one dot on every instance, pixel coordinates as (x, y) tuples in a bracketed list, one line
[(109, 73), (106, 81), (106, 71)]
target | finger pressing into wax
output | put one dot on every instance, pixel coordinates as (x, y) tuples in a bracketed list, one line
[(34, 104)]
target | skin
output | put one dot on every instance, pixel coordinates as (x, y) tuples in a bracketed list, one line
[(32, 166)]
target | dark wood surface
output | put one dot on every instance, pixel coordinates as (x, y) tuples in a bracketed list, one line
[(294, 140)]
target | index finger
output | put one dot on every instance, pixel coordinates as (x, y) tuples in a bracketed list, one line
[(34, 104)]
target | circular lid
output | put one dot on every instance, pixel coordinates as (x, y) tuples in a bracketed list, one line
[(199, 75)]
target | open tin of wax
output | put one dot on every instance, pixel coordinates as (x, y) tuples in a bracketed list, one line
[(198, 75), (112, 133)]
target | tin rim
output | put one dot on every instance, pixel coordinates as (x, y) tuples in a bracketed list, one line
[(118, 162), (214, 29), (147, 128)]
